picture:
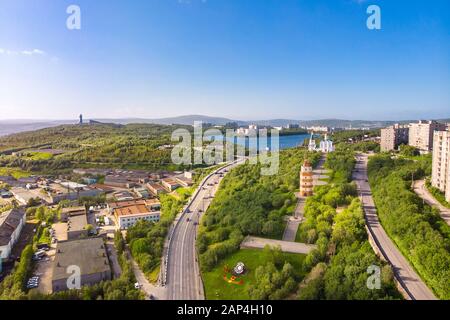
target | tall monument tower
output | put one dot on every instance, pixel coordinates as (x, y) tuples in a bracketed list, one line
[(81, 119), (306, 179)]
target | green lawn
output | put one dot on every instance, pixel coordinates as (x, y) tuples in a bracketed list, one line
[(153, 276), (40, 156), (44, 236), (216, 288), (298, 235), (185, 191), (15, 172)]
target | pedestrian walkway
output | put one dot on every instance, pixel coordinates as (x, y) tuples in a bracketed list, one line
[(286, 246), (421, 190), (293, 222), (151, 291)]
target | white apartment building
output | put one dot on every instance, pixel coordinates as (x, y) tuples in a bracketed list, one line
[(440, 177), (421, 134)]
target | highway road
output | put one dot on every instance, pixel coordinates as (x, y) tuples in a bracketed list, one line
[(405, 274), (183, 280)]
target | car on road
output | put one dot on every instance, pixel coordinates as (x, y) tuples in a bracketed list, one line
[(137, 285)]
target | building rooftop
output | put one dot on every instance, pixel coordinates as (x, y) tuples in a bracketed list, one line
[(131, 210), (77, 222), (171, 181), (9, 221), (146, 202), (88, 254)]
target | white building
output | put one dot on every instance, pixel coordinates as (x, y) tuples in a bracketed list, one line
[(127, 213), (11, 224), (421, 134), (242, 131), (325, 145), (440, 177)]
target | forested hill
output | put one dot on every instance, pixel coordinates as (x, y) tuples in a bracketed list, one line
[(132, 145)]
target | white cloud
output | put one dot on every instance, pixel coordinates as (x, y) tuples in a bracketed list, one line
[(23, 52)]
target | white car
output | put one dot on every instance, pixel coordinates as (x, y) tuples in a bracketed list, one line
[(137, 285)]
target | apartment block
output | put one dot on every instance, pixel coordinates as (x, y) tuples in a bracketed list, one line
[(393, 136), (421, 134), (440, 177)]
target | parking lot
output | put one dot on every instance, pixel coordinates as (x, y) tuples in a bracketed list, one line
[(43, 270)]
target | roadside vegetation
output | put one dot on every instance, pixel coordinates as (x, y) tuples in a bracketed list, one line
[(146, 239), (416, 228)]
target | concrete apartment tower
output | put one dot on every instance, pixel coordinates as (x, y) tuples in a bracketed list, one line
[(306, 179), (421, 134), (440, 177), (393, 136)]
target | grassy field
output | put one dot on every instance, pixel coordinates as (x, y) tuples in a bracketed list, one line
[(15, 172), (153, 276), (185, 191), (216, 288), (39, 156)]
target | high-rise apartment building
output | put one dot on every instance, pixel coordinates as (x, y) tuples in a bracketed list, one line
[(393, 136), (421, 134), (440, 177)]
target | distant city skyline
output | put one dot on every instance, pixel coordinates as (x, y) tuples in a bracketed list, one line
[(243, 60)]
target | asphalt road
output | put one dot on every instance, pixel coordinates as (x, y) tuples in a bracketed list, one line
[(421, 190), (183, 274), (405, 274)]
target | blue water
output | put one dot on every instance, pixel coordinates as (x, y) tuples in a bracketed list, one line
[(285, 142)]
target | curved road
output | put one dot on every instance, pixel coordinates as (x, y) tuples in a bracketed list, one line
[(405, 274), (421, 190), (183, 275)]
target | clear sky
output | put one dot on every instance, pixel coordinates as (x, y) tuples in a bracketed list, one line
[(242, 59)]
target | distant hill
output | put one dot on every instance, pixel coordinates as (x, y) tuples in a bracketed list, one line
[(16, 126), (189, 120), (185, 120)]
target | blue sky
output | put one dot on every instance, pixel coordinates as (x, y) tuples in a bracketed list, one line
[(242, 59)]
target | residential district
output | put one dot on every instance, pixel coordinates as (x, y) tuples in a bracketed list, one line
[(82, 235)]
